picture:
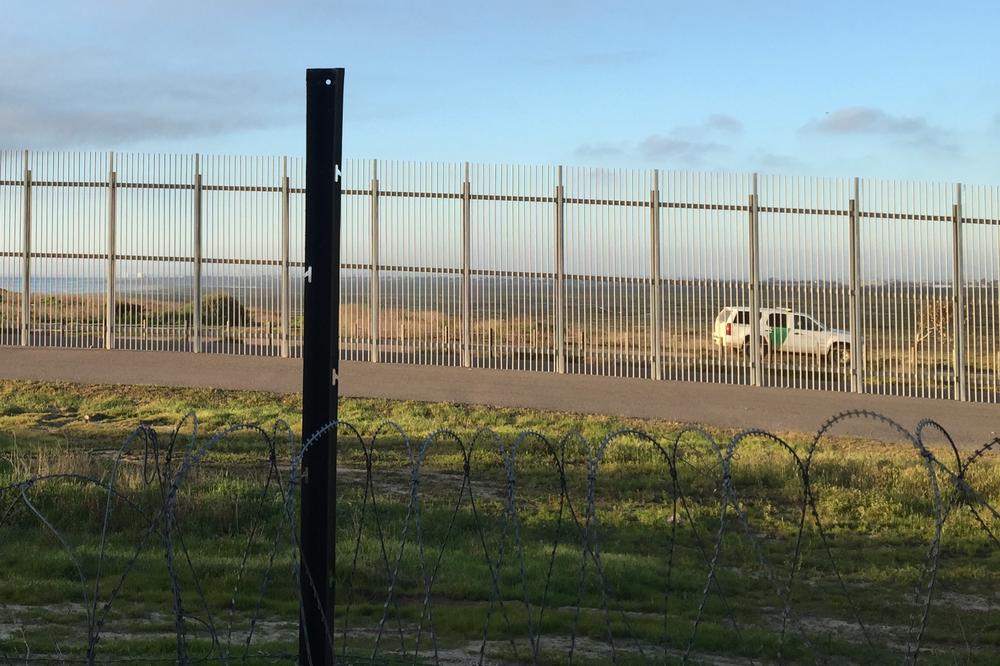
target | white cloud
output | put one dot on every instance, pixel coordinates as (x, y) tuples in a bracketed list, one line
[(777, 161), (907, 131), (866, 120), (724, 123), (103, 112), (599, 150), (683, 144), (656, 147)]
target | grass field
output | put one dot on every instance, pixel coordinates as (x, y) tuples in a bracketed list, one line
[(856, 596)]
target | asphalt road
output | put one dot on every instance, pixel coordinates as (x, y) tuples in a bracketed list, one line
[(781, 371), (728, 406)]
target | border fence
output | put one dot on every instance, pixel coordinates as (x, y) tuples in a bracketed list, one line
[(894, 287)]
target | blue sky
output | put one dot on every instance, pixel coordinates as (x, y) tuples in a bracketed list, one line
[(902, 90)]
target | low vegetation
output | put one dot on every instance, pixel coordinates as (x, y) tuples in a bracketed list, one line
[(857, 589)]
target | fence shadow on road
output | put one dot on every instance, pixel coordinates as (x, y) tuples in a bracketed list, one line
[(494, 548)]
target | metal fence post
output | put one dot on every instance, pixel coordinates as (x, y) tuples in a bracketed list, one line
[(655, 282), (755, 350), (26, 258), (286, 283), (466, 270), (854, 314), (373, 274), (196, 342), (320, 363), (961, 385), (109, 315), (560, 286)]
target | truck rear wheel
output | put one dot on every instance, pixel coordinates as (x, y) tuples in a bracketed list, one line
[(840, 355), (764, 348)]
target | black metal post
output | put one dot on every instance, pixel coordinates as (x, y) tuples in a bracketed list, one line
[(320, 359)]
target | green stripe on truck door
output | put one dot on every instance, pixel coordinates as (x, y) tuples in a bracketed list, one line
[(777, 336)]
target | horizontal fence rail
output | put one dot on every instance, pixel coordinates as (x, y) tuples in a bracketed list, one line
[(862, 285)]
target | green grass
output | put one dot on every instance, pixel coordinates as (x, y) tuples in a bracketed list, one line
[(873, 499)]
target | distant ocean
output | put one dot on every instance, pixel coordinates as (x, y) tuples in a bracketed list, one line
[(56, 285), (169, 288)]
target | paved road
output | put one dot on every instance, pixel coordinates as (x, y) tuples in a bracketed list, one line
[(786, 372), (779, 410), (780, 371)]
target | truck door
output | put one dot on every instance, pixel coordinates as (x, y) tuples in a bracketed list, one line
[(777, 330), (801, 337)]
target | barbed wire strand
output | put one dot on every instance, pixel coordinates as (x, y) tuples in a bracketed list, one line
[(505, 555)]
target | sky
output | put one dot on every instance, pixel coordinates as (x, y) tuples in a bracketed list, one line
[(890, 89)]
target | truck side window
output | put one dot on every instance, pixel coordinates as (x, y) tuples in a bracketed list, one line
[(778, 320), (807, 323)]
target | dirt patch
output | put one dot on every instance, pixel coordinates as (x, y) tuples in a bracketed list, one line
[(889, 635), (18, 619), (968, 602), (560, 646), (397, 484)]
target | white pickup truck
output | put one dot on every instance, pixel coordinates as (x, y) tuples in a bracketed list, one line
[(782, 330)]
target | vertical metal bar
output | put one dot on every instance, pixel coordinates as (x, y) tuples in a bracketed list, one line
[(875, 316), (755, 350), (286, 293), (560, 285), (654, 272), (26, 257), (196, 324), (854, 312), (320, 360), (373, 272), (961, 387), (109, 315), (466, 270)]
